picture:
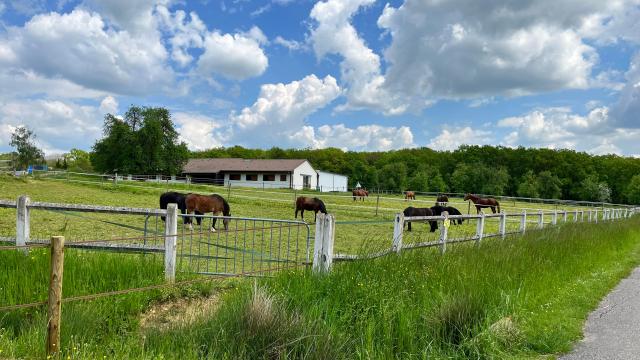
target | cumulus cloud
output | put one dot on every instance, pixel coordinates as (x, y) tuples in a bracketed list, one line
[(198, 131), (555, 128), (361, 138), (109, 105), (57, 124), (451, 139), (625, 111), (234, 56), (79, 47)]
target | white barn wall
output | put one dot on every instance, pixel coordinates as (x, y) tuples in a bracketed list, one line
[(277, 184), (304, 169), (331, 182)]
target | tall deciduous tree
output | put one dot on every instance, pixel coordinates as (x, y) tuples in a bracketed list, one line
[(27, 153), (144, 141), (633, 190), (529, 185)]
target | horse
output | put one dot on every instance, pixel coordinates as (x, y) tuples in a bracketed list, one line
[(173, 197), (214, 204), (437, 210), (442, 200), (411, 211), (483, 202), (409, 195), (361, 193), (306, 203)]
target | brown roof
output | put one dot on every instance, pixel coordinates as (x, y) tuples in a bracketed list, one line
[(211, 166)]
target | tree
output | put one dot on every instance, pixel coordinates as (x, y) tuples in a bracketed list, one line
[(77, 160), (144, 141), (633, 190), (26, 151), (550, 185), (529, 185)]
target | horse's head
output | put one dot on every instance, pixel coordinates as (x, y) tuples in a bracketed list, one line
[(366, 193), (321, 206), (467, 196)]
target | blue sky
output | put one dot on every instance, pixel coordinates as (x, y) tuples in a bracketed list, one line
[(353, 74)]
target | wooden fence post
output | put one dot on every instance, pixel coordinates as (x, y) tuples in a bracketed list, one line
[(23, 231), (444, 230), (575, 216), (398, 227), (54, 308), (480, 228), (554, 218), (229, 191), (503, 225), (540, 219), (590, 217), (595, 217), (323, 245), (581, 215), (377, 203), (523, 222), (564, 216), (170, 242)]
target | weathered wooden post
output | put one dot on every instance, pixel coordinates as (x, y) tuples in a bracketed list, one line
[(503, 225), (590, 216), (540, 219), (581, 215), (444, 231), (564, 216), (377, 203), (575, 216), (398, 227), (115, 179), (323, 246), (480, 229), (554, 218), (523, 222), (23, 231), (229, 191), (170, 242), (595, 216), (54, 308)]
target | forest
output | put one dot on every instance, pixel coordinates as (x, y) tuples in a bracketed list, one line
[(527, 172)]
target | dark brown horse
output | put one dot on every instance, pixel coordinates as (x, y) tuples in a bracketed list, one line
[(214, 204), (442, 200), (411, 211), (483, 202), (312, 204), (360, 193), (409, 195)]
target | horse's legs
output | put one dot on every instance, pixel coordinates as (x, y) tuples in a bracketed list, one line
[(493, 209), (433, 225), (189, 221), (213, 223), (302, 214)]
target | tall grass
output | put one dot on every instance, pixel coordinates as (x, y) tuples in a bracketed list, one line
[(518, 297)]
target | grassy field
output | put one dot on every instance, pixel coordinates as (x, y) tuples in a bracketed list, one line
[(521, 297)]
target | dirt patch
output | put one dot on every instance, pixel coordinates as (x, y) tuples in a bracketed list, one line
[(178, 312)]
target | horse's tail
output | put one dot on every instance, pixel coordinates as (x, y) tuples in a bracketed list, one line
[(226, 209)]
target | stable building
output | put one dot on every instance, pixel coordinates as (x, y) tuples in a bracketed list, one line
[(328, 181), (262, 173)]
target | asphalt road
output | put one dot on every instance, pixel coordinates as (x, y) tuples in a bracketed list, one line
[(613, 330)]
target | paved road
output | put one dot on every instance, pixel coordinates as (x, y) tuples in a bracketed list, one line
[(613, 330)]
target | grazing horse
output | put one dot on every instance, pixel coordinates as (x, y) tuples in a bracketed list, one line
[(306, 203), (173, 197), (442, 200), (483, 202), (411, 211), (409, 195), (437, 210), (214, 204), (361, 193)]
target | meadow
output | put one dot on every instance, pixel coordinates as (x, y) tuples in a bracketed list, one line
[(521, 297)]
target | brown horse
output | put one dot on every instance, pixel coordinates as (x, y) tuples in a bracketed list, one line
[(214, 204), (409, 195), (312, 204), (360, 193), (442, 200), (483, 202)]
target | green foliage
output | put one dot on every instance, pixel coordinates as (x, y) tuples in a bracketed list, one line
[(529, 186), (77, 160), (144, 142), (27, 153), (478, 169), (633, 190)]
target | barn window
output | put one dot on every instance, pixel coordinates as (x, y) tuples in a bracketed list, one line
[(252, 177), (234, 176), (283, 177), (266, 177)]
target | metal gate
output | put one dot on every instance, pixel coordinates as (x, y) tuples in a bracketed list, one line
[(249, 246)]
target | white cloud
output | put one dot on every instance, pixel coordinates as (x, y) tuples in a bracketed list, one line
[(184, 34), (198, 130), (281, 109), (627, 109), (57, 124), (451, 139), (361, 138), (360, 67), (289, 44), (234, 56), (79, 47), (109, 105), (595, 132)]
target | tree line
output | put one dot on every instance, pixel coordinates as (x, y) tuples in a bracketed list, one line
[(145, 141)]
